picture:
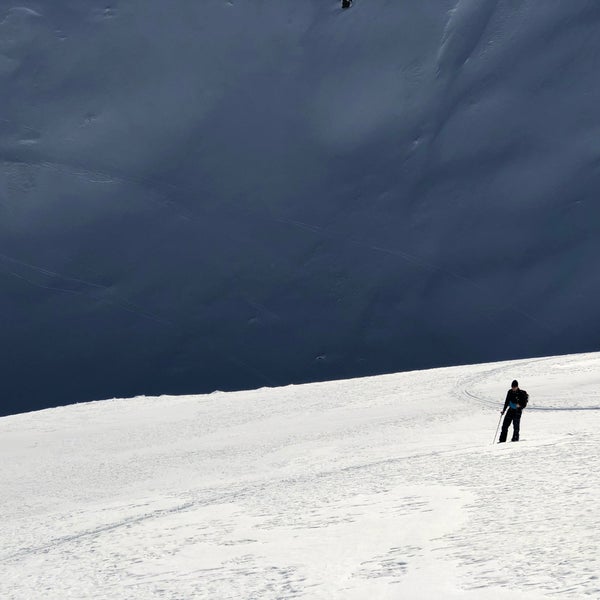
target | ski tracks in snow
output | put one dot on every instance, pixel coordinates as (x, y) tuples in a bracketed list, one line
[(547, 380)]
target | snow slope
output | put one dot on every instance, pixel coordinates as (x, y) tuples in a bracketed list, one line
[(385, 487), (244, 193)]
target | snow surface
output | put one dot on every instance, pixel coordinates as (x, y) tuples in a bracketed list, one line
[(245, 193), (385, 487)]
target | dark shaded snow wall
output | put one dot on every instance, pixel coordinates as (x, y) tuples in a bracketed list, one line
[(202, 195)]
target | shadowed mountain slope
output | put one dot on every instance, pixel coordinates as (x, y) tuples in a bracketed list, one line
[(224, 195)]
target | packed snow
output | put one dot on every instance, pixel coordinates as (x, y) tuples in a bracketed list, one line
[(384, 487)]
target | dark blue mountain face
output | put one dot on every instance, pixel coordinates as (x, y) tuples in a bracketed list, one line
[(223, 195)]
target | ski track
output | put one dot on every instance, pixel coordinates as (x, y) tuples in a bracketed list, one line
[(482, 387), (378, 487), (88, 289)]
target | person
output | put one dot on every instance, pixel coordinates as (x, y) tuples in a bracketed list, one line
[(516, 401)]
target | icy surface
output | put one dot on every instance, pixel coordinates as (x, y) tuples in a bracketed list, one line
[(232, 194), (386, 487)]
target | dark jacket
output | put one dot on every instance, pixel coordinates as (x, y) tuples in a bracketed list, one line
[(518, 397)]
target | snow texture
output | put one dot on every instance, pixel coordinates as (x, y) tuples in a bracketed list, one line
[(232, 194), (384, 487)]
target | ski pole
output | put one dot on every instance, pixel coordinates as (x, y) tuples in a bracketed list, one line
[(496, 434)]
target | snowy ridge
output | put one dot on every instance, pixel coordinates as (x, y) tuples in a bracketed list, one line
[(383, 487)]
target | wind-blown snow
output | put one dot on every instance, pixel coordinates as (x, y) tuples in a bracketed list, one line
[(232, 194), (386, 487)]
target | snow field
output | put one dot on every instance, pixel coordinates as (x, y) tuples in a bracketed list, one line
[(385, 487)]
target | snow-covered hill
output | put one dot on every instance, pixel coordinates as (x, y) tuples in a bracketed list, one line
[(232, 194), (385, 487)]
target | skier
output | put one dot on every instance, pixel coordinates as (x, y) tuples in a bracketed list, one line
[(346, 3), (516, 401)]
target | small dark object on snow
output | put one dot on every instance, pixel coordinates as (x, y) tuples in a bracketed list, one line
[(346, 3)]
